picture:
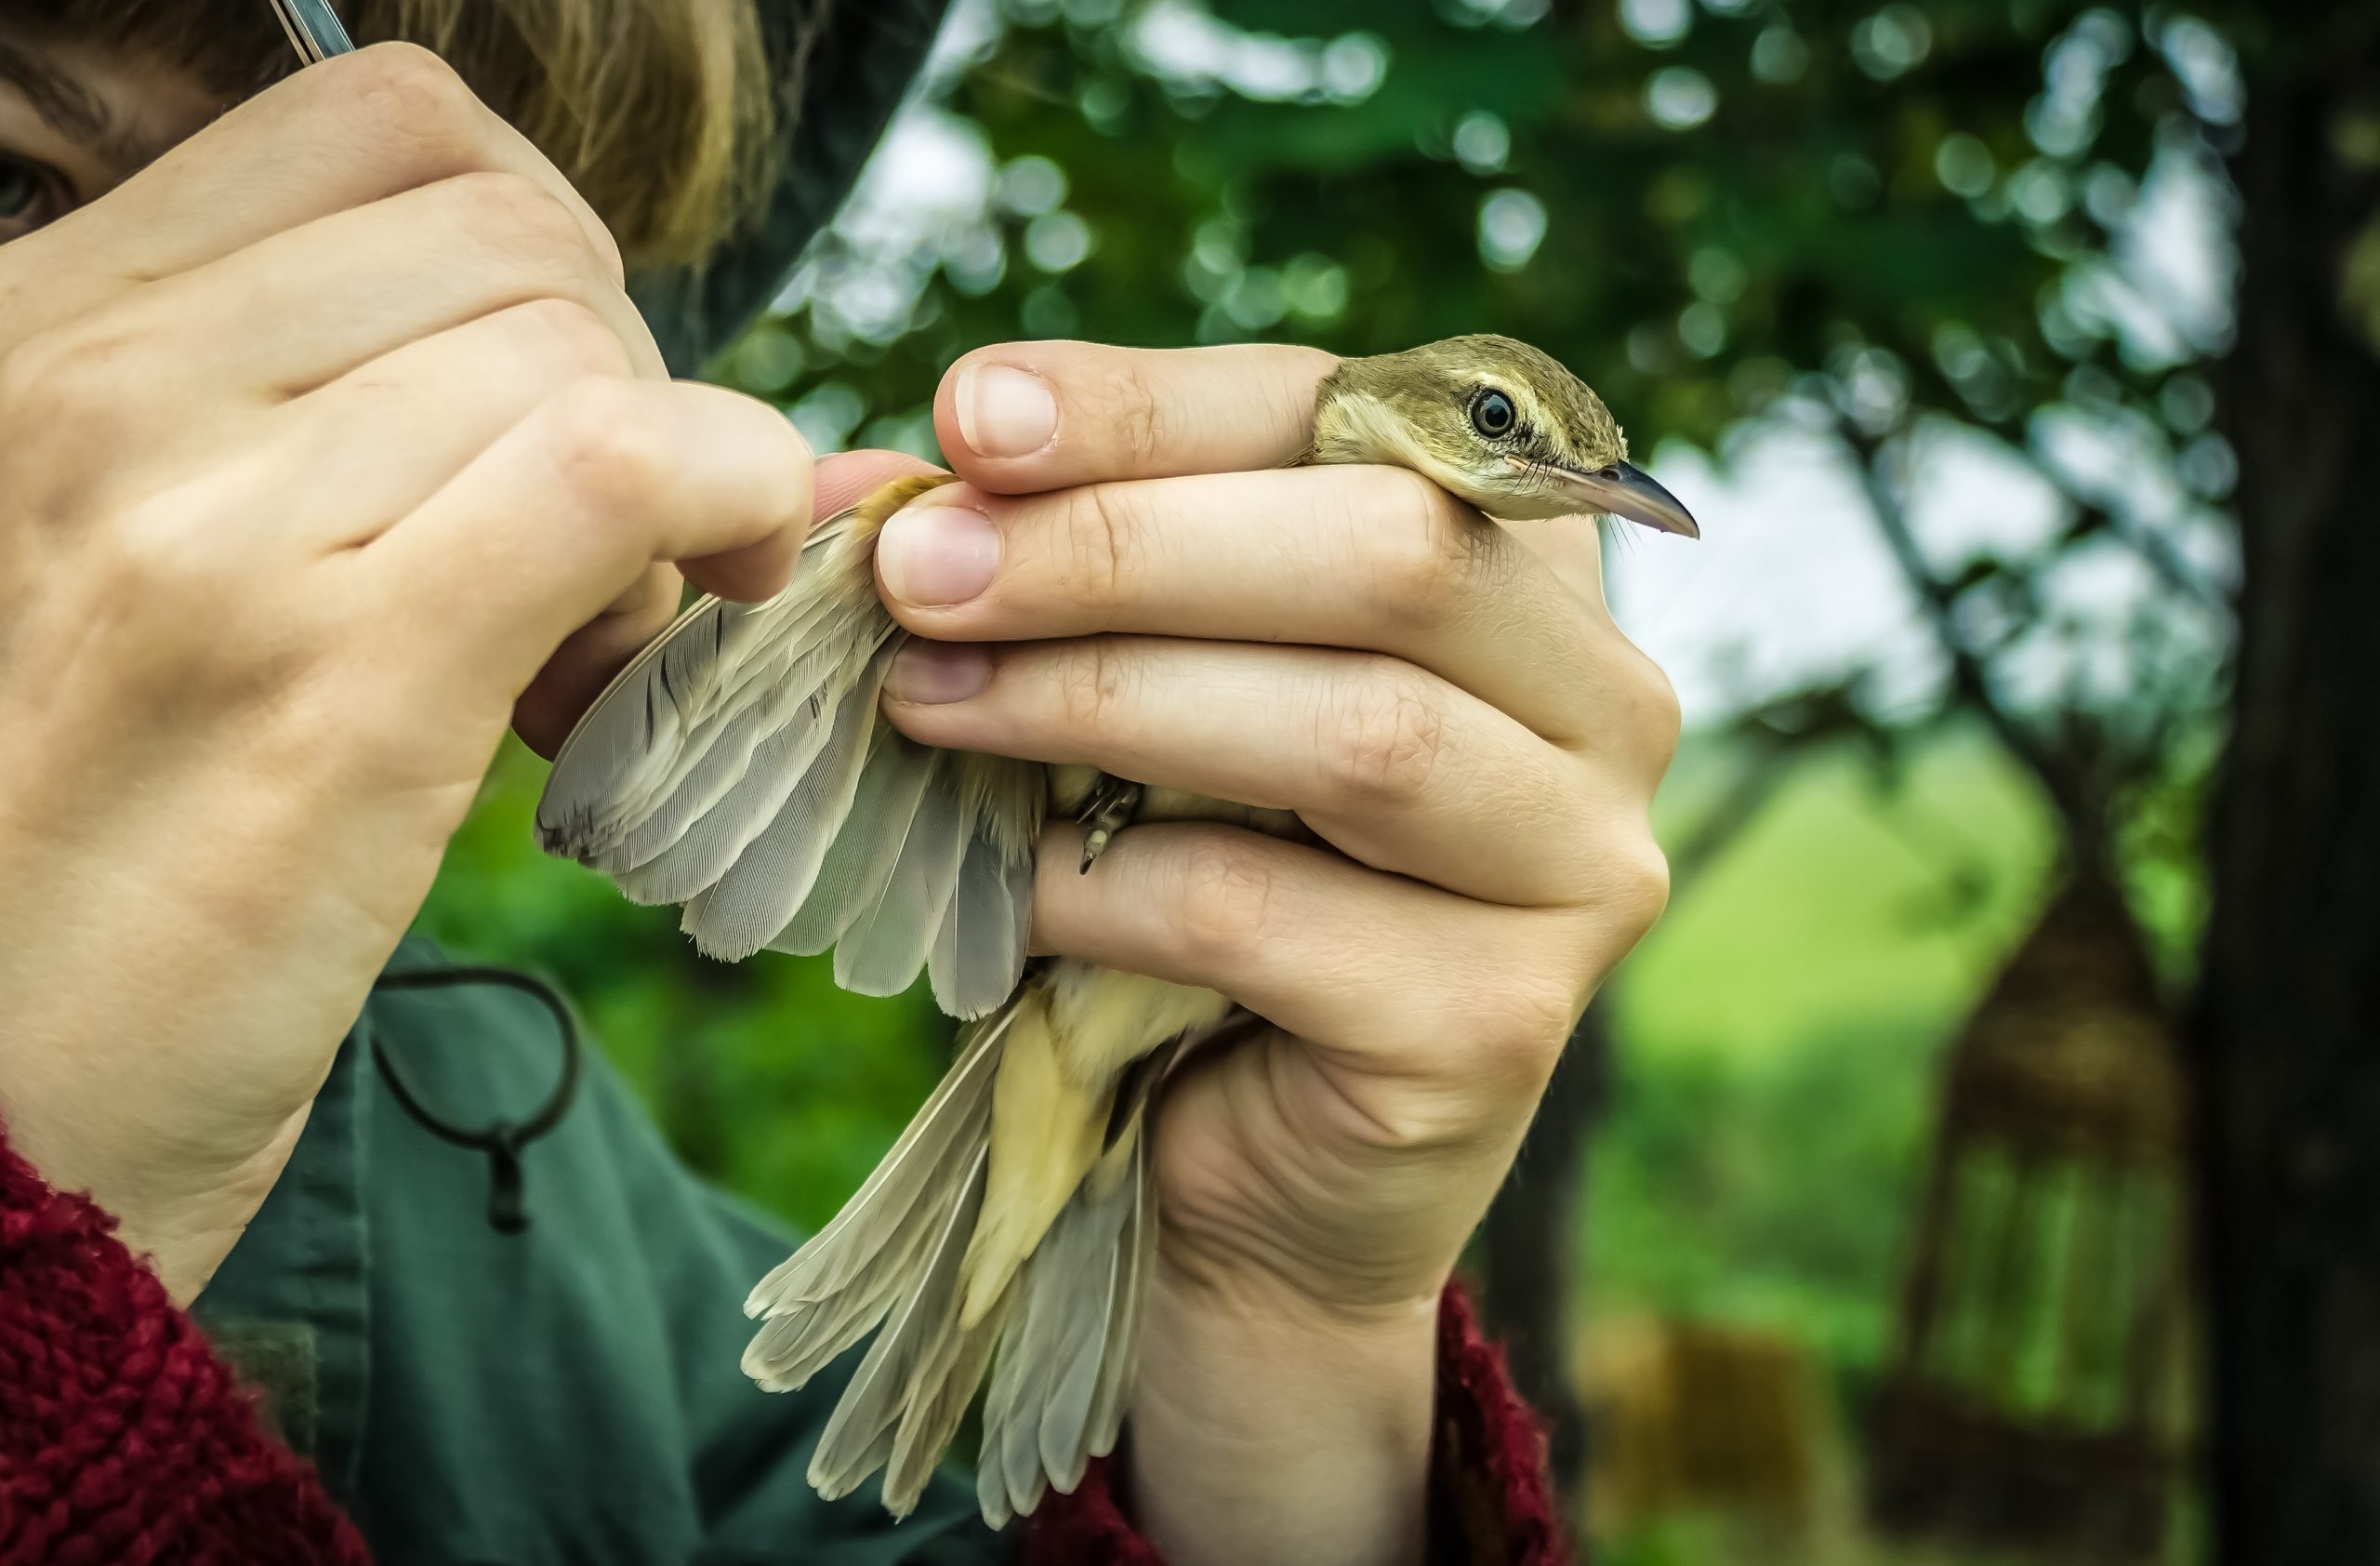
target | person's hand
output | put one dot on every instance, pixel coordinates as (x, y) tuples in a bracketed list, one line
[(1135, 584), (320, 441)]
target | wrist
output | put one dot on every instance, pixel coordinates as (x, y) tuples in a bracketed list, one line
[(178, 1212), (1270, 1427), (174, 1009)]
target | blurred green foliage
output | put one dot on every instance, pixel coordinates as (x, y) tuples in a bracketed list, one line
[(1776, 1071), (764, 1076)]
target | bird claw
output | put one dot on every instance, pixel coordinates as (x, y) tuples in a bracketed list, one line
[(1105, 811)]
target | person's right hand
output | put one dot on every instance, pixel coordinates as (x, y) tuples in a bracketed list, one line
[(320, 443)]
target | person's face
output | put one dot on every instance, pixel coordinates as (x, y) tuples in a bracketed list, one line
[(75, 123)]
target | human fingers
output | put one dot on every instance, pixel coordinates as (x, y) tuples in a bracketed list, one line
[(364, 282), (365, 450), (1392, 979), (563, 513), (1024, 417), (847, 477), (1366, 557), (1391, 764), (340, 135)]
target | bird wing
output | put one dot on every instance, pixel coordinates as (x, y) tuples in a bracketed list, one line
[(740, 766)]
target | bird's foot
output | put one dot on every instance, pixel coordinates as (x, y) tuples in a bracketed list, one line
[(1105, 811)]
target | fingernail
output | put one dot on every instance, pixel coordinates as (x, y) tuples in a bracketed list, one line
[(935, 673), (936, 555), (1004, 411)]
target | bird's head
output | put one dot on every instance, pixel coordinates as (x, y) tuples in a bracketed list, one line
[(1496, 422)]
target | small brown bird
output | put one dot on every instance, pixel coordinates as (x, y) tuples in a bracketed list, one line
[(740, 766)]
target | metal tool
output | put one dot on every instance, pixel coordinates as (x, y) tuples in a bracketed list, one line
[(313, 28)]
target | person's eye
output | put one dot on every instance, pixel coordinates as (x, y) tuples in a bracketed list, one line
[(1493, 415), (30, 195)]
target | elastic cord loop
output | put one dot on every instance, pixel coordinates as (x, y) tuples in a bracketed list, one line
[(502, 1142)]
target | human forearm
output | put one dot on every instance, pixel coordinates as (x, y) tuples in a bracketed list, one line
[(173, 999)]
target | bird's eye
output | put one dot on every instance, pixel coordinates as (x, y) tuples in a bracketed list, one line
[(1493, 415)]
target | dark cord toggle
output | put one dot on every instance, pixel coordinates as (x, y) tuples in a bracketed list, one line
[(502, 1142)]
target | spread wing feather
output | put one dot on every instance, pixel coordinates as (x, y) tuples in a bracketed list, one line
[(1137, 1253), (979, 952), (865, 849), (750, 758), (886, 945), (739, 766), (770, 875)]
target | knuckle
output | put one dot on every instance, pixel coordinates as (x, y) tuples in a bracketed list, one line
[(1092, 682), (1625, 890), (1420, 546), (1227, 903), (520, 222), (150, 554), (1646, 706), (1386, 734), (1637, 887), (1103, 545), (570, 336), (1525, 1021), (1139, 412), (602, 447), (118, 569), (66, 379), (407, 98), (1663, 716)]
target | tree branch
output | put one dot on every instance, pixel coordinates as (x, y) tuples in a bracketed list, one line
[(1970, 675), (2154, 550)]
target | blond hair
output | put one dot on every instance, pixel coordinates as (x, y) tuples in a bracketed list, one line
[(663, 113)]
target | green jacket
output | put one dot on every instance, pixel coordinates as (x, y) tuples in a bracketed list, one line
[(568, 1393)]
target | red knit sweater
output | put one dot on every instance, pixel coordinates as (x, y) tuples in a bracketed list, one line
[(124, 1441)]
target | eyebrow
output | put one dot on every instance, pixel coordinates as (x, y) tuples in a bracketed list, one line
[(72, 110)]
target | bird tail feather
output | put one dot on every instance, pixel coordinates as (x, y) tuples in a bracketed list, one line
[(1065, 1324)]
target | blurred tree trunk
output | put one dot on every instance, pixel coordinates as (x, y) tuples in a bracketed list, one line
[(2289, 1026), (1530, 1245)]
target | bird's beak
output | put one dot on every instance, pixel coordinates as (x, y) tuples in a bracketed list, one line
[(1624, 489)]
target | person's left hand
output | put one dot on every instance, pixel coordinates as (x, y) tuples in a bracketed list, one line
[(1136, 584)]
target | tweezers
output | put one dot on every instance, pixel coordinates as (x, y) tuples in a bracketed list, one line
[(313, 28)]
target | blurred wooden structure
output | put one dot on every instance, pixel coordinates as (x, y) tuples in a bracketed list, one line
[(1688, 1417), (2035, 1399)]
